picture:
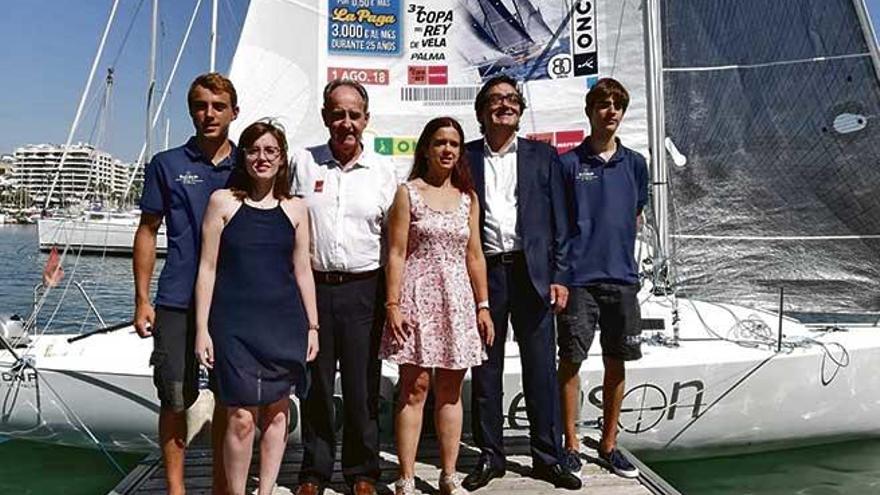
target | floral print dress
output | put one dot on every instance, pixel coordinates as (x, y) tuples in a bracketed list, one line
[(436, 298)]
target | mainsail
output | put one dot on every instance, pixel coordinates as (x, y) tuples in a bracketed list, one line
[(282, 63), (774, 105)]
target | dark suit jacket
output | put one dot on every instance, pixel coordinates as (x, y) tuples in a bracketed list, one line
[(542, 219)]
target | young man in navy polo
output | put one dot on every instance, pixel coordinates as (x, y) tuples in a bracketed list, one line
[(177, 186), (609, 189)]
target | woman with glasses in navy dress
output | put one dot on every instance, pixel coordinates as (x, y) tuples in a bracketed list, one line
[(256, 317)]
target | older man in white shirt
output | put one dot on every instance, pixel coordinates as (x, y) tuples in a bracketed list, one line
[(348, 190)]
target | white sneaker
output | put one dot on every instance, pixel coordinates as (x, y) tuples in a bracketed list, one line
[(405, 486), (450, 484)]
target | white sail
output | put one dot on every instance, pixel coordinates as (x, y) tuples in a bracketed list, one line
[(283, 61), (276, 68)]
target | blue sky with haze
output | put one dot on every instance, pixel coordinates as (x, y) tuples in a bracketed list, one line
[(46, 50)]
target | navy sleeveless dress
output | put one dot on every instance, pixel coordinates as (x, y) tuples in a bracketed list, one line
[(257, 321)]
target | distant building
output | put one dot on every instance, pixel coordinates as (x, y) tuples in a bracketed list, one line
[(6, 163), (88, 174)]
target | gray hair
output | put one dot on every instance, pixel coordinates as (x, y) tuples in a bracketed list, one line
[(336, 83)]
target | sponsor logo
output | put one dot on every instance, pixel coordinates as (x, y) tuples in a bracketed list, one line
[(188, 179), (562, 140), (587, 175), (433, 75), (395, 146), (26, 378), (319, 186), (584, 44), (364, 28), (376, 77)]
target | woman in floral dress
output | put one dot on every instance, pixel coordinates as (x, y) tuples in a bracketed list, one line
[(438, 319)]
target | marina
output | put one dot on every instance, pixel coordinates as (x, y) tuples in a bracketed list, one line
[(746, 292)]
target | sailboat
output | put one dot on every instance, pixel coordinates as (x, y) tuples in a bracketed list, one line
[(722, 102), (96, 231)]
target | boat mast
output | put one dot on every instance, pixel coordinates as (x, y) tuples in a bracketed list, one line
[(167, 131), (82, 103), (141, 160), (151, 82), (657, 132), (870, 35), (213, 35)]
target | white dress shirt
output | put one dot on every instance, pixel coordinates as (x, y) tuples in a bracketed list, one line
[(499, 231), (348, 209)]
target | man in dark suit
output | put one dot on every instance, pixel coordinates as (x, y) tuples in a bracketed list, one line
[(524, 229)]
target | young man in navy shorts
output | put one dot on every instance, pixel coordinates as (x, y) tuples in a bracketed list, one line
[(608, 186), (177, 185)]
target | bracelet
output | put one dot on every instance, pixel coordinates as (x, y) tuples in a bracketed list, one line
[(482, 305), (389, 304), (314, 326)]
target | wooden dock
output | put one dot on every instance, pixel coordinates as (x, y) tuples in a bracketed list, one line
[(147, 478)]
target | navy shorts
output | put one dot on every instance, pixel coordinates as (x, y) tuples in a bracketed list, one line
[(614, 308), (175, 368)]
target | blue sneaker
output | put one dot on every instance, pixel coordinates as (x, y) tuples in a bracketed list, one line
[(619, 464), (571, 462)]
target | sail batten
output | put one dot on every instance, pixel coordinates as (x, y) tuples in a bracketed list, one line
[(765, 64)]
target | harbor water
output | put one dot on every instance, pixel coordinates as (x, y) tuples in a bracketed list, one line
[(32, 468)]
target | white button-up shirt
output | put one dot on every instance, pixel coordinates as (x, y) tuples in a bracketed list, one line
[(499, 230), (347, 208)]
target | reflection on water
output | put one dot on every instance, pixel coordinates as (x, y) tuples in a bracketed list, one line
[(851, 468), (107, 280)]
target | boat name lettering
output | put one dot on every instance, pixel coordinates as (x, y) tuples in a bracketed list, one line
[(342, 14), (27, 377), (646, 404)]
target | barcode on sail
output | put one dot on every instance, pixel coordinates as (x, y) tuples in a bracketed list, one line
[(452, 94)]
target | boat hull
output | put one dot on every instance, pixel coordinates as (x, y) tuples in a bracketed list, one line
[(112, 237), (703, 397)]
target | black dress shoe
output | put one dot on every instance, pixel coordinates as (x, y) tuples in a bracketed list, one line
[(481, 475), (559, 477)]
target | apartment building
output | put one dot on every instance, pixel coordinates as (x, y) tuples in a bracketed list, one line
[(87, 174)]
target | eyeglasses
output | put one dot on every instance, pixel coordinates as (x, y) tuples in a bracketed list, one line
[(270, 152), (510, 98)]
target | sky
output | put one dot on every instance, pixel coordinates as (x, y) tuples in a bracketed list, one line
[(47, 48)]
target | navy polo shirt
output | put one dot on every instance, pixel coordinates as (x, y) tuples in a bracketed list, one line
[(605, 199), (177, 186)]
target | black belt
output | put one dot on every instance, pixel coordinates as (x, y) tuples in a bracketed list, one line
[(337, 278), (506, 258)]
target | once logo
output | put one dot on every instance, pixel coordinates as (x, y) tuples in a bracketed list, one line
[(584, 43), (395, 146)]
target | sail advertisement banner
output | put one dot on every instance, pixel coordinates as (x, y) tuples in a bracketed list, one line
[(420, 59)]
